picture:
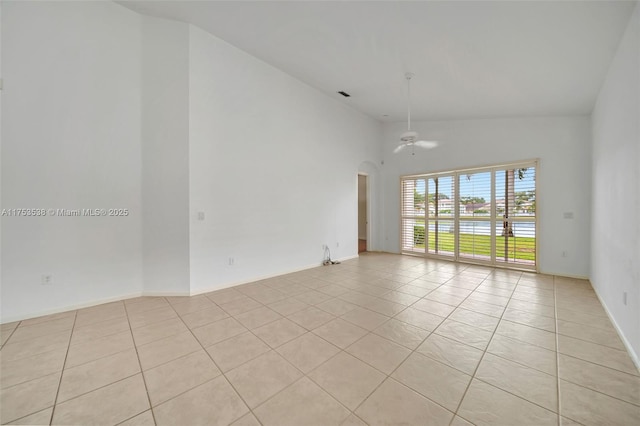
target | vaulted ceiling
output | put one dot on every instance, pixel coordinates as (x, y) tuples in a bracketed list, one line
[(471, 59)]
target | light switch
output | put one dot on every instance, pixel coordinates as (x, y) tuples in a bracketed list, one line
[(568, 215), (200, 215)]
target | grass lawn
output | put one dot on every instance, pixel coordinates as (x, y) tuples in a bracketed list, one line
[(520, 248)]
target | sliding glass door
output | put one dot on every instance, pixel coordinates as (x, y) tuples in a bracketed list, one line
[(483, 215)]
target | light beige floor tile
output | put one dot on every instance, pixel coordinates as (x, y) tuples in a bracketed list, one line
[(149, 317), (421, 319), (313, 297), (527, 334), (237, 350), (464, 333), (157, 331), (485, 288), (194, 304), (378, 352), (593, 408), (178, 376), (532, 385), (99, 330), (433, 307), (585, 319), (484, 404), (95, 374), (436, 381), (524, 353), (595, 335), (218, 331), (23, 333), (288, 306), (444, 297), (108, 405), (40, 418), (534, 308), (213, 403), (476, 319), (311, 317), (455, 354), (530, 319), (225, 296), (564, 421), (602, 379), (400, 298), (365, 318), (99, 348), (402, 333), (483, 308), (459, 421), (336, 306), (307, 351), (279, 332), (332, 290), (392, 403), (257, 317), (303, 403), (204, 317), (46, 318), (246, 420), (384, 307), (50, 342), (27, 398), (263, 377), (143, 419), (353, 420), (146, 305), (167, 349), (29, 368), (348, 379), (602, 355), (340, 332), (415, 290), (100, 313), (239, 306)]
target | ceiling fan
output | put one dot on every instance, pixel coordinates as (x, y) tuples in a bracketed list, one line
[(410, 138)]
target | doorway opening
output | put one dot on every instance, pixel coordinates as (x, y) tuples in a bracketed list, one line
[(363, 222)]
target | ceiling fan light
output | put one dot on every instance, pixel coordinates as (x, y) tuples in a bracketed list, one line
[(409, 136)]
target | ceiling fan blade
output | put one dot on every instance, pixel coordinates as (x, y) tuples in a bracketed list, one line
[(426, 144), (400, 148)]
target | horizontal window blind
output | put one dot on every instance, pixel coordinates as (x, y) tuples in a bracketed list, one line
[(482, 215)]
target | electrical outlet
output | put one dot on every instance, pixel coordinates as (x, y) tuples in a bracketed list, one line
[(624, 297), (232, 261), (200, 215), (565, 253), (47, 280), (337, 244)]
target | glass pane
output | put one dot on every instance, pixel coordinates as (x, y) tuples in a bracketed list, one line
[(413, 235), (413, 197), (442, 190), (441, 237), (475, 194), (516, 192), (475, 240), (516, 242)]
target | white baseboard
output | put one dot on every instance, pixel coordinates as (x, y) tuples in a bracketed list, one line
[(627, 344), (71, 307)]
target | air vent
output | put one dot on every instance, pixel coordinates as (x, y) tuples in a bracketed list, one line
[(345, 94)]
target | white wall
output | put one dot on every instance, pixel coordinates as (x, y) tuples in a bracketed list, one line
[(560, 143), (273, 165), (615, 248), (165, 156), (70, 139)]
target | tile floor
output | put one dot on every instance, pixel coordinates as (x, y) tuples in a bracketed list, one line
[(383, 339)]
